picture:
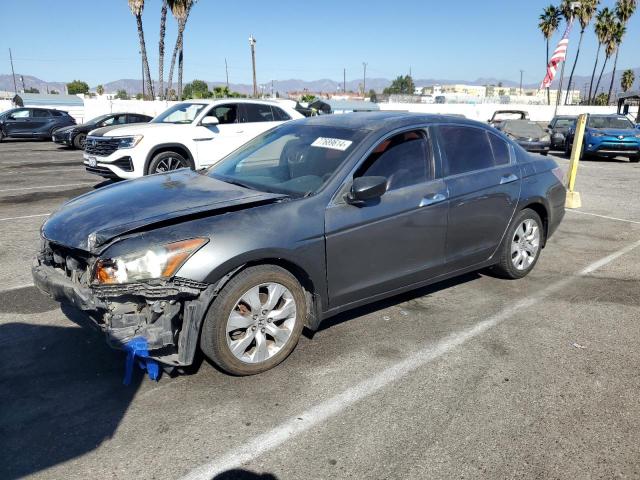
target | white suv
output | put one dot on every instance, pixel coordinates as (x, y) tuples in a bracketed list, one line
[(193, 134)]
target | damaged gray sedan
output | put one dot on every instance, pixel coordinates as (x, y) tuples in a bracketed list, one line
[(312, 218)]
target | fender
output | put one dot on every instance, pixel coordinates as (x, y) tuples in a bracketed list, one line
[(163, 146)]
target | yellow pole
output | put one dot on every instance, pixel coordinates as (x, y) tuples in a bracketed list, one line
[(573, 197)]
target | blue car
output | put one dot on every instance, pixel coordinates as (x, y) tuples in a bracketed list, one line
[(608, 136)]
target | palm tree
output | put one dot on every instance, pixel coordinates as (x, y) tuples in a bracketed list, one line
[(584, 13), (624, 11), (610, 48), (136, 7), (604, 21), (180, 10), (628, 78), (163, 23), (549, 22)]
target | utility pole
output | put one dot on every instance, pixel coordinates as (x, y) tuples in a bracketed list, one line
[(521, 72), (252, 44), (226, 69), (22, 81), (344, 81), (364, 78), (271, 88), (15, 87)]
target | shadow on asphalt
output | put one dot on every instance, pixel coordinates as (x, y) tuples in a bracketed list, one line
[(395, 300), (61, 395)]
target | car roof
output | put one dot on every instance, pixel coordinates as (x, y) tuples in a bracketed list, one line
[(212, 101), (374, 121)]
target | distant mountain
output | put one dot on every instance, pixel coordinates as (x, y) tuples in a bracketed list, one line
[(133, 86), (6, 83)]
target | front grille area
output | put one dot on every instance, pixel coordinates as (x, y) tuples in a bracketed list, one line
[(100, 146), (102, 171), (74, 263), (620, 147)]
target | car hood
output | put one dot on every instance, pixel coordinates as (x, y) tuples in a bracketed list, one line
[(66, 129), (615, 132), (132, 129), (91, 221)]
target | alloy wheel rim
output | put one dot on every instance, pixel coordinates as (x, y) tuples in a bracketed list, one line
[(169, 164), (261, 322), (525, 244)]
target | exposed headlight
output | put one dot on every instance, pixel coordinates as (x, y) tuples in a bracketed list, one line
[(128, 142), (161, 262), (596, 134), (546, 138)]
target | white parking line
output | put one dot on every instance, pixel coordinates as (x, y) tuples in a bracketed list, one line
[(25, 216), (37, 170), (604, 216), (45, 187), (321, 412)]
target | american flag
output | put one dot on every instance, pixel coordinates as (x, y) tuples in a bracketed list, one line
[(559, 55)]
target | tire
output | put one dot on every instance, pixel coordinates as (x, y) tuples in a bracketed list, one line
[(634, 159), (1, 135), (219, 337), (567, 149), (515, 243), (544, 154), (79, 140), (168, 161)]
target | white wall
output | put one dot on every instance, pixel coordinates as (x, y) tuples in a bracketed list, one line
[(483, 112)]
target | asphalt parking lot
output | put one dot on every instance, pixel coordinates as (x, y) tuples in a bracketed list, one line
[(475, 378)]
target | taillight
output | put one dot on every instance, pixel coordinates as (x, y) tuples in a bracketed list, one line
[(559, 174)]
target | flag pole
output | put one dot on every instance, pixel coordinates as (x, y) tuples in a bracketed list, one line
[(555, 112)]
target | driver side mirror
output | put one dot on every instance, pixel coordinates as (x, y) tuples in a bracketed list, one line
[(366, 188), (210, 120)]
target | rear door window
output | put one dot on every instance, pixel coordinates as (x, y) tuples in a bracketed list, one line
[(466, 149), (256, 112), (500, 149), (280, 115), (37, 113)]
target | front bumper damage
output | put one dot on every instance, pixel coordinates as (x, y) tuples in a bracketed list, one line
[(167, 314)]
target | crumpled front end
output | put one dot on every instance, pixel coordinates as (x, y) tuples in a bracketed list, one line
[(166, 313)]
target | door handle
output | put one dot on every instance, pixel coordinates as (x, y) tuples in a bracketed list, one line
[(432, 199), (239, 131), (508, 178)]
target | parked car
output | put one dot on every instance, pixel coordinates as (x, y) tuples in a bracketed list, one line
[(559, 126), (608, 136), (32, 122), (502, 115), (309, 219), (76, 135), (529, 135), (192, 134)]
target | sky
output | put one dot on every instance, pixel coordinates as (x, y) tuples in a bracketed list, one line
[(97, 41)]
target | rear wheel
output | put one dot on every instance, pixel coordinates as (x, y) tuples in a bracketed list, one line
[(521, 246), (79, 141), (255, 322), (168, 161)]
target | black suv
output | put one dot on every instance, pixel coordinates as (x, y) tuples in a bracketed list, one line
[(76, 135), (33, 122)]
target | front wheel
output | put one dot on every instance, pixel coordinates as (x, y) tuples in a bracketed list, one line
[(521, 246), (255, 322), (167, 162), (635, 159), (79, 141)]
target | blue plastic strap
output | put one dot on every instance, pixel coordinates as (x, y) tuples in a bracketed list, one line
[(138, 347)]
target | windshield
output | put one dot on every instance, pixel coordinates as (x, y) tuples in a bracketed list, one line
[(500, 116), (523, 128), (564, 122), (609, 122), (292, 159), (180, 113), (98, 119)]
